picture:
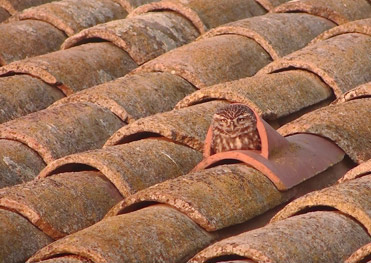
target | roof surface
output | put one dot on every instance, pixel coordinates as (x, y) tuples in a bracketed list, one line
[(105, 131)]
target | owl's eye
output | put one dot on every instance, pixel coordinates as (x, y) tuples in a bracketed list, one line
[(241, 119)]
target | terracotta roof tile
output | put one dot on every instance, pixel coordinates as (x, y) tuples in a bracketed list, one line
[(338, 11), (302, 238), (77, 68), (186, 126), (71, 16), (176, 237), (359, 26), (351, 198), (215, 198), (13, 6), (3, 14), (361, 91), (361, 255), (22, 237), (358, 171), (284, 34), (135, 96), (340, 123), (74, 201), (201, 62), (85, 125), (130, 5), (18, 163), (40, 38), (160, 160), (271, 4), (24, 94), (341, 61), (273, 96), (202, 15), (69, 259), (144, 37)]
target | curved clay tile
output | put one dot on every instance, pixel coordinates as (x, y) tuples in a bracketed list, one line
[(41, 38), (303, 238), (135, 96), (68, 259), (359, 26), (338, 11), (23, 94), (62, 204), (351, 198), (270, 4), (63, 130), (362, 255), (278, 34), (343, 61), (13, 6), (71, 16), (206, 14), (215, 198), (144, 37), (358, 171), (18, 163), (130, 5), (272, 96), (202, 62), (133, 166), (158, 232), (362, 91), (20, 241), (186, 126), (344, 124), (76, 68), (4, 15)]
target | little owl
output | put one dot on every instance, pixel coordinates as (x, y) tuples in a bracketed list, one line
[(234, 128)]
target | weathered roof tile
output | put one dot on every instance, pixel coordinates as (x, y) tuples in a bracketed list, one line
[(40, 38), (76, 68), (278, 34), (135, 96), (362, 26), (201, 62), (205, 14), (24, 94), (71, 16), (338, 11), (302, 238), (21, 240), (176, 238), (341, 61), (273, 96), (186, 126), (144, 37), (345, 124), (351, 198), (3, 14), (358, 171), (361, 255), (18, 164), (62, 204), (63, 130), (133, 166), (13, 6)]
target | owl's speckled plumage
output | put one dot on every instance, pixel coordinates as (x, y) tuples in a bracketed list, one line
[(234, 128)]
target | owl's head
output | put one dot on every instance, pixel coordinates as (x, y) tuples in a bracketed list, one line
[(234, 118)]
